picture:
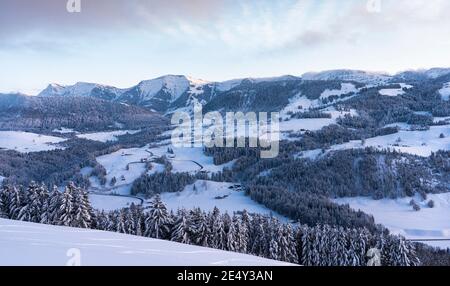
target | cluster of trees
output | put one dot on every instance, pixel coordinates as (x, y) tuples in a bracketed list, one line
[(240, 232), (383, 110), (150, 185), (55, 167), (309, 208), (39, 205), (311, 114), (366, 172), (79, 113)]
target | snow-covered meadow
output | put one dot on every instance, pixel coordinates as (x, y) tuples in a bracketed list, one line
[(421, 143), (26, 142), (400, 218), (110, 202), (106, 136), (227, 197), (28, 244)]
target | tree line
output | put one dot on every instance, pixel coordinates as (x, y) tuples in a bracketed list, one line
[(322, 245)]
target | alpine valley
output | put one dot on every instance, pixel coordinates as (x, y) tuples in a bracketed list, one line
[(364, 163)]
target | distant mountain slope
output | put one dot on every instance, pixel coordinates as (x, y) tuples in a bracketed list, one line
[(28, 244), (169, 93), (349, 75), (81, 113)]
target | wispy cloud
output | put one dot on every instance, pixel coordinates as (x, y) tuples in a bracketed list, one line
[(240, 38)]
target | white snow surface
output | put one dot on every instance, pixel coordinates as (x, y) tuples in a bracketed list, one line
[(106, 136), (421, 143), (26, 142), (399, 217), (79, 89), (176, 85), (28, 244), (110, 202), (313, 124), (64, 130), (345, 89), (395, 91), (191, 160), (209, 194)]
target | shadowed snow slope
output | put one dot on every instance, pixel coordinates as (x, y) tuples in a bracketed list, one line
[(24, 243)]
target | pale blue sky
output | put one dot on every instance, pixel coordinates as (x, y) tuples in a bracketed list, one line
[(119, 42)]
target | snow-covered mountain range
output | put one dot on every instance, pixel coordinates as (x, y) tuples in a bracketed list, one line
[(172, 92)]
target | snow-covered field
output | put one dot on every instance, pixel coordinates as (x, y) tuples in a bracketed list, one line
[(346, 88), (127, 165), (106, 136), (445, 91), (421, 143), (395, 91), (28, 244), (314, 124), (210, 194), (26, 142), (110, 203), (64, 130), (399, 217)]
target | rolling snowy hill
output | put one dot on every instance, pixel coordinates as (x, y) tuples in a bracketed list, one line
[(28, 244)]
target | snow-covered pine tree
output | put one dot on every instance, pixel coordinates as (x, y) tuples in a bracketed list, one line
[(353, 253), (308, 247), (137, 213), (181, 228), (3, 211), (339, 243), (286, 244), (44, 197), (403, 253), (362, 245), (259, 241), (241, 239), (52, 214), (82, 208), (213, 221), (112, 221), (31, 211), (67, 216), (272, 231), (299, 233), (14, 202), (158, 220), (201, 231), (232, 235), (121, 222), (220, 230), (246, 225), (323, 245), (130, 223), (101, 220)]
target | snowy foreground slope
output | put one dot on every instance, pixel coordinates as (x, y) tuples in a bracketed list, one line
[(23, 243)]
